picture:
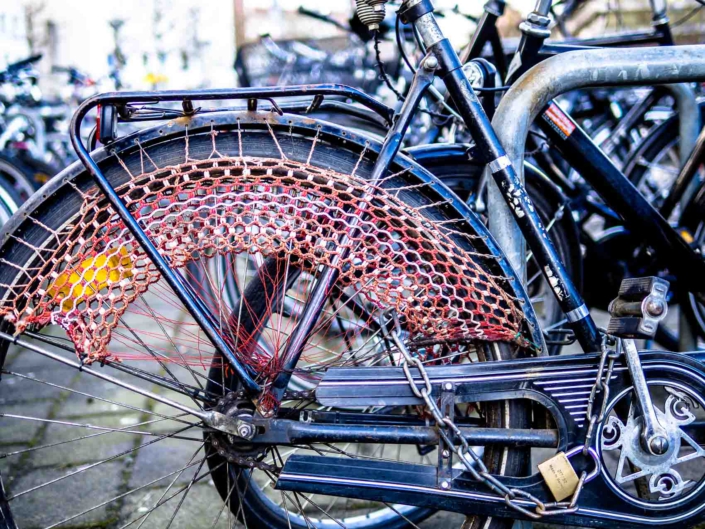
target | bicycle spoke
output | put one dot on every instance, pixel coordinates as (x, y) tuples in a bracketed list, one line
[(96, 397), (185, 389), (183, 498), (166, 491), (90, 436), (125, 494), (174, 346), (226, 502), (177, 493), (160, 361), (87, 426), (93, 465)]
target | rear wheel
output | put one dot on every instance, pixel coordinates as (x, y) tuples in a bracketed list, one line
[(247, 217)]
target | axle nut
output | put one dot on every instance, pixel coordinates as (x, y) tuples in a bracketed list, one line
[(245, 431), (658, 445), (430, 63), (655, 307)]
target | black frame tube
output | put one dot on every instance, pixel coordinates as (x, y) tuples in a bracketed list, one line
[(284, 431), (312, 311), (515, 195), (622, 197)]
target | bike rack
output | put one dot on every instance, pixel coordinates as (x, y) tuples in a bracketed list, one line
[(688, 118), (527, 98)]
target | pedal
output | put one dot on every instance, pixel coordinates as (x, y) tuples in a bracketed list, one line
[(639, 308)]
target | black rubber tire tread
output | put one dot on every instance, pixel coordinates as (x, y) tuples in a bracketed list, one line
[(20, 175), (10, 200)]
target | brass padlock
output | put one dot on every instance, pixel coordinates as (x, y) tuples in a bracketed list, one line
[(559, 476)]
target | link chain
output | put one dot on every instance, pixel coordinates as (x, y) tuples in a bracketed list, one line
[(474, 464)]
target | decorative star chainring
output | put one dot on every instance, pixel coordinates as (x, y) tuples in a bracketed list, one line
[(641, 476)]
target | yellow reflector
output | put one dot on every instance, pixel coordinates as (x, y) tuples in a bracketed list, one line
[(93, 274)]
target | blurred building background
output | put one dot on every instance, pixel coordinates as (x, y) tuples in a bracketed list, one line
[(190, 43)]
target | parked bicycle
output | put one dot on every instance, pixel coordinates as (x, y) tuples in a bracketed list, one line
[(337, 332)]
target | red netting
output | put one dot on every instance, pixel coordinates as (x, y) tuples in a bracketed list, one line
[(90, 270)]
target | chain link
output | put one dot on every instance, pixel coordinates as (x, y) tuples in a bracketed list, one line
[(476, 466), (607, 357)]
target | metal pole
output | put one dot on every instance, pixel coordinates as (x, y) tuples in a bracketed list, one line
[(688, 118), (688, 131)]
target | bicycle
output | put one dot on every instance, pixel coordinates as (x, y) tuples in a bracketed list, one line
[(378, 297)]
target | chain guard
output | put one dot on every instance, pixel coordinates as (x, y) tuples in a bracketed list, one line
[(561, 384)]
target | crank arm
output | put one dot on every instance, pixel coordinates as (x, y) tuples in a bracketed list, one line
[(654, 438)]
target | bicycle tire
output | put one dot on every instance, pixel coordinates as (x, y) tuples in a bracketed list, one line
[(41, 227), (19, 175)]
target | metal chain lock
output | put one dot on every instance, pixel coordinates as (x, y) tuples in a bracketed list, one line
[(513, 498)]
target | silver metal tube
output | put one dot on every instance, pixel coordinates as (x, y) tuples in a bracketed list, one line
[(688, 118), (211, 418), (658, 10), (429, 30), (688, 131), (562, 73), (543, 7), (85, 369)]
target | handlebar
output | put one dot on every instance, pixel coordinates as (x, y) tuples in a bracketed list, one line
[(76, 76), (16, 67)]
